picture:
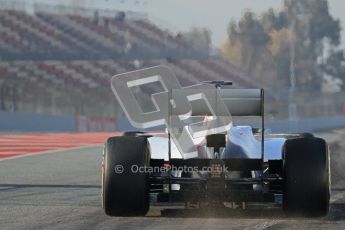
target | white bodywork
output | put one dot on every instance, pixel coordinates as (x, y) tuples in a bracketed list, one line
[(239, 136)]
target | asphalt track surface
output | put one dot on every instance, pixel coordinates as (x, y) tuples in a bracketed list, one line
[(62, 191)]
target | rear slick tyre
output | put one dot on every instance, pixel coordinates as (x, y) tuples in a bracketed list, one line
[(306, 177), (125, 192)]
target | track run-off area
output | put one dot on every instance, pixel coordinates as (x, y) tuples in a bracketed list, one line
[(23, 144)]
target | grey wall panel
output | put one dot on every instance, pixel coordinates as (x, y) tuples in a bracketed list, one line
[(33, 122)]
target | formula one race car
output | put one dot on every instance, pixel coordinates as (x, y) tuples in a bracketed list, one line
[(224, 165)]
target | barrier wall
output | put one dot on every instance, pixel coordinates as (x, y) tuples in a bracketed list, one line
[(33, 122), (283, 126), (308, 124)]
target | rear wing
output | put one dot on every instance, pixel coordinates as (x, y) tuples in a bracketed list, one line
[(220, 103), (239, 102), (244, 102)]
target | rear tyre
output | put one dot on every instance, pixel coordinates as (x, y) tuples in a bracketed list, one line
[(125, 192), (306, 177)]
